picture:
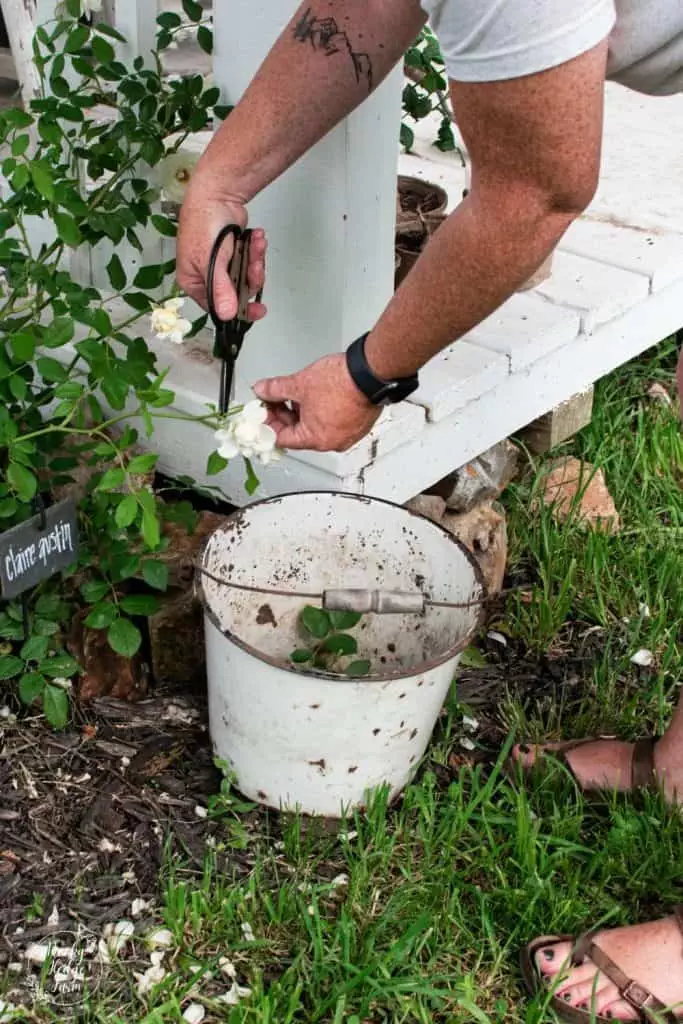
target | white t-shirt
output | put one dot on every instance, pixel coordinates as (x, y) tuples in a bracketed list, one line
[(491, 40)]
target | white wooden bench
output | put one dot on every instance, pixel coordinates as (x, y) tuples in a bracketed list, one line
[(616, 287)]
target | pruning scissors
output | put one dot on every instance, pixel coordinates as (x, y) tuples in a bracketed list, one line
[(230, 333)]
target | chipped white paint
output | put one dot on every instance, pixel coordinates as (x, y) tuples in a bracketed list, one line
[(319, 742)]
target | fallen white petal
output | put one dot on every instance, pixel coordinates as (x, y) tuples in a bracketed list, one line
[(194, 1014), (234, 995), (151, 977), (469, 723), (498, 637), (138, 907), (644, 610), (643, 658), (160, 938), (37, 952), (248, 932), (227, 967), (339, 881), (201, 812), (53, 919), (467, 744)]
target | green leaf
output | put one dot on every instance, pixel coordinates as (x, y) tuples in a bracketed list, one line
[(472, 658), (8, 508), (45, 627), (60, 332), (251, 484), (10, 666), (301, 656), (142, 464), (115, 390), (205, 38), (18, 387), (56, 706), (155, 574), (342, 621), (151, 531), (340, 643), (72, 391), (215, 464), (43, 180), (67, 229), (35, 648), (112, 479), (407, 138), (103, 50), (193, 10), (20, 145), (62, 666), (51, 370), (164, 226), (102, 615), (94, 591), (126, 512), (23, 347), (22, 481), (316, 622), (140, 604), (149, 277), (357, 669), (30, 687), (169, 20), (17, 117), (138, 301), (124, 638), (52, 606), (77, 39), (116, 273)]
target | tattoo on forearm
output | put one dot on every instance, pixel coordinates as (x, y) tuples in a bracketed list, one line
[(325, 35)]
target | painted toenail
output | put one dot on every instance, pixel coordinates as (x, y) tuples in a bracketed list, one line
[(549, 954), (567, 996)]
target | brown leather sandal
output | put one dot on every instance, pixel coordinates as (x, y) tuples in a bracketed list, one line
[(650, 1010), (643, 774)]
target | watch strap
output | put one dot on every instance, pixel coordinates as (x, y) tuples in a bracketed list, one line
[(376, 390)]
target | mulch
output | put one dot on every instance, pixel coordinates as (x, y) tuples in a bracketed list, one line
[(88, 816)]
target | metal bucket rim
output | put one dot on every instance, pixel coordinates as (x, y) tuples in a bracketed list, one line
[(374, 677)]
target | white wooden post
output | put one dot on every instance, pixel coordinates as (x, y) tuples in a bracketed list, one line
[(20, 22), (330, 219)]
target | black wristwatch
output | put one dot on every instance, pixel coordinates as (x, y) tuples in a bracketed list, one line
[(376, 390)]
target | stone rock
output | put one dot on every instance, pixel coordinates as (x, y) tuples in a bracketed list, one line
[(484, 478), (176, 639), (431, 506), (572, 486), (483, 531), (184, 548), (104, 672)]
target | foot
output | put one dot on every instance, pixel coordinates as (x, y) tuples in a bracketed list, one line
[(606, 764), (649, 954)]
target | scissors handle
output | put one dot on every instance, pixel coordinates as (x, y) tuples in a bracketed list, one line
[(234, 267)]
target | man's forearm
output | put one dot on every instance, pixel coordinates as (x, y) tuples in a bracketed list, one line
[(325, 63), (477, 259)]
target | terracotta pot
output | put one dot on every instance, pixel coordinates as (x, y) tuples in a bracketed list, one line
[(420, 206)]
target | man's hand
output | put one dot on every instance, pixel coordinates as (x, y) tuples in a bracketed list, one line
[(326, 411), (202, 217)]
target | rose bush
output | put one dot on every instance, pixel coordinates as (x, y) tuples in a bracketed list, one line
[(79, 385)]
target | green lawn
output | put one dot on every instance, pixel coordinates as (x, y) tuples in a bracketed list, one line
[(444, 889)]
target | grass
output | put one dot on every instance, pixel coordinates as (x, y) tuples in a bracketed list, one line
[(444, 889)]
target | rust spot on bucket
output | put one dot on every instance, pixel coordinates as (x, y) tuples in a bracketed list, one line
[(391, 648), (261, 795), (412, 760), (401, 696), (376, 732), (321, 764), (413, 734), (314, 707), (265, 617), (354, 768), (421, 683)]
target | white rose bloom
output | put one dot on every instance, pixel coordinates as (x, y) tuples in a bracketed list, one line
[(249, 435), (175, 171), (168, 324), (89, 7)]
